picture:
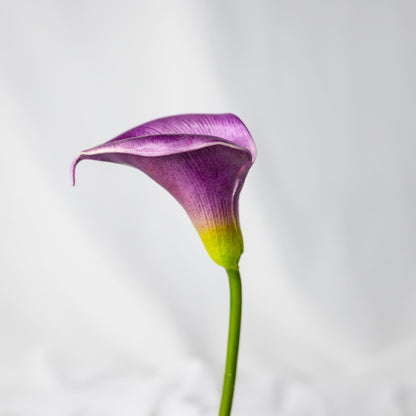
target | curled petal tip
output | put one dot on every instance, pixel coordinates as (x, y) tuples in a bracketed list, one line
[(73, 169)]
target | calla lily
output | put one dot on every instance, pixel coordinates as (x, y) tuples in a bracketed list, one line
[(202, 160)]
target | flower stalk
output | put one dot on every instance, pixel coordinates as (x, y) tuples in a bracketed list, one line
[(233, 342)]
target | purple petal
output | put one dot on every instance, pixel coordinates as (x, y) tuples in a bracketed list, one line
[(204, 173), (226, 126)]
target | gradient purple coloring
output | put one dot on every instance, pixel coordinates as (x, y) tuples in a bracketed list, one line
[(202, 160)]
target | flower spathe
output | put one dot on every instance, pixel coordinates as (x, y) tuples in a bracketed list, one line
[(202, 160)]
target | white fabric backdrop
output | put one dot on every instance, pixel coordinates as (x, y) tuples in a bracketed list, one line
[(109, 303)]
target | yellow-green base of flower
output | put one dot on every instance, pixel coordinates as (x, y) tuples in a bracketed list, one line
[(223, 244)]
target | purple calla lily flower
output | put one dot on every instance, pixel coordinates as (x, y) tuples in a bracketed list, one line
[(202, 160)]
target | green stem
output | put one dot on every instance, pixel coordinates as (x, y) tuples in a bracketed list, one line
[(233, 341)]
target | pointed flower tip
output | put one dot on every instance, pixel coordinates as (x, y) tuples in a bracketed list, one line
[(73, 169), (202, 160)]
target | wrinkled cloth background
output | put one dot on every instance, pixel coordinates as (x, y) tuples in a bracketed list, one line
[(109, 304)]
